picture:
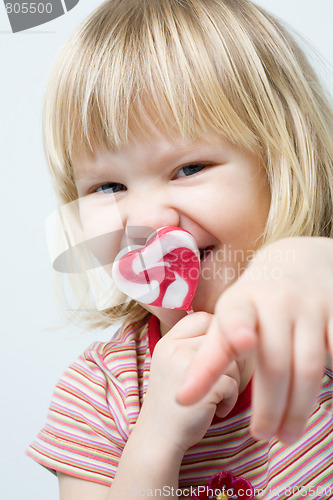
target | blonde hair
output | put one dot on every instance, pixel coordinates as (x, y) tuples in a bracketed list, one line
[(196, 66)]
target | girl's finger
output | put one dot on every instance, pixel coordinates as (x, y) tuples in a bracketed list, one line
[(308, 363), (230, 335), (232, 371), (272, 375), (207, 365), (237, 320), (192, 325), (229, 396)]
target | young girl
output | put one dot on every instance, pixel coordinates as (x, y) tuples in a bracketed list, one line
[(206, 115)]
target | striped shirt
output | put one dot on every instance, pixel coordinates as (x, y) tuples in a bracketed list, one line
[(97, 401)]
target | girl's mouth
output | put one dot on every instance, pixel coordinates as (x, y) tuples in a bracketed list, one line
[(205, 252)]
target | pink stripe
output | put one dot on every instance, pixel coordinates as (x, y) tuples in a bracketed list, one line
[(99, 398)]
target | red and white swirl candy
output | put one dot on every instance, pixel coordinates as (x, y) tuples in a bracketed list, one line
[(163, 273)]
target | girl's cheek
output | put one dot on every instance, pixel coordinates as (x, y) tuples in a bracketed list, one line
[(102, 227)]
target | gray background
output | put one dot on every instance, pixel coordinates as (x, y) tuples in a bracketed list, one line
[(35, 348)]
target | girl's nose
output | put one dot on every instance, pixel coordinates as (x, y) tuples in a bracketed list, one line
[(150, 214)]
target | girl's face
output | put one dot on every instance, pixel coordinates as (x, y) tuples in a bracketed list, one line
[(211, 188)]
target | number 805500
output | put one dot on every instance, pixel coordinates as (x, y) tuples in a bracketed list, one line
[(31, 8)]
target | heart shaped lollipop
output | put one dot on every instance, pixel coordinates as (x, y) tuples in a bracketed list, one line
[(163, 273)]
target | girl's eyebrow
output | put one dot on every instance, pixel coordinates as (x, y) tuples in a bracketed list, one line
[(182, 153), (188, 152)]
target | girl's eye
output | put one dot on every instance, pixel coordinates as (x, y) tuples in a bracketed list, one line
[(190, 170), (111, 188)]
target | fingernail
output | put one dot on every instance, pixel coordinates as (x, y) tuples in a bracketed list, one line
[(288, 438), (244, 331), (243, 336), (261, 435)]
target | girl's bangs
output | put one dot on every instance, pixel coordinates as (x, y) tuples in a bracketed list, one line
[(162, 73)]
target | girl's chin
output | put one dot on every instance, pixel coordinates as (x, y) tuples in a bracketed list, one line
[(203, 307), (204, 301)]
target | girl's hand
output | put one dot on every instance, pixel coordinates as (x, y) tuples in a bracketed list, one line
[(281, 311), (176, 426)]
